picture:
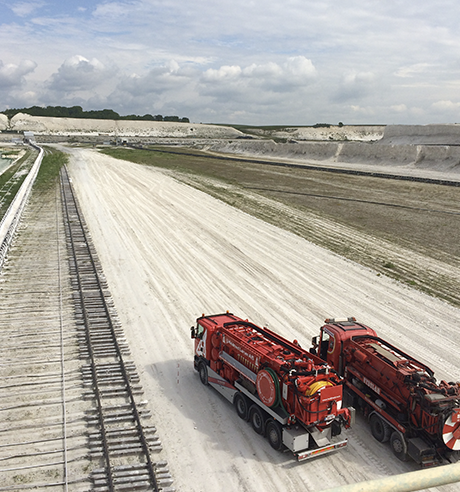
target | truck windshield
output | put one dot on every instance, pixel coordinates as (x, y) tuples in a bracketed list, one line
[(199, 331)]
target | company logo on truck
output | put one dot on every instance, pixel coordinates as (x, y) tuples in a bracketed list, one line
[(371, 385), (248, 355), (201, 347)]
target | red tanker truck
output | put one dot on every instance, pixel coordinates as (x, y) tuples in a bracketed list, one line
[(399, 395), (289, 395)]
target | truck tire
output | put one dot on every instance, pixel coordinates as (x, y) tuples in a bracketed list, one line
[(257, 419), (399, 446), (274, 434), (241, 406), (203, 372), (379, 428)]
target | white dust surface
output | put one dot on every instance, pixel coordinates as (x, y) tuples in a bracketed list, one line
[(171, 253)]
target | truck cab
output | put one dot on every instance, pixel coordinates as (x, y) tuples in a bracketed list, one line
[(204, 334), (329, 344)]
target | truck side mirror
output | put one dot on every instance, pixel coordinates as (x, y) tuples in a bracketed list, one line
[(192, 332), (314, 347)]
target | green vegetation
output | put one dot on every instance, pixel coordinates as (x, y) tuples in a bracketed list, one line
[(77, 112), (48, 175), (12, 179), (193, 161)]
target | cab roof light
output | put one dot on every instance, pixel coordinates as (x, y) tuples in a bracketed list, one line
[(333, 320)]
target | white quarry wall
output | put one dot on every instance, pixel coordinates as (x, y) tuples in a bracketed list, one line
[(3, 122), (422, 134), (119, 128), (440, 158), (363, 133), (410, 146)]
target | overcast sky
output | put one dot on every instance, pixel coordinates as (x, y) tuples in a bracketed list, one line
[(261, 62)]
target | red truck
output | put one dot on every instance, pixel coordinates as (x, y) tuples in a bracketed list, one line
[(399, 395), (289, 395)]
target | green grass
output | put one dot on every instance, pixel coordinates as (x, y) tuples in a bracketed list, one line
[(9, 184), (48, 174)]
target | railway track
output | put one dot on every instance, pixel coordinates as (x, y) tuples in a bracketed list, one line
[(120, 439), (43, 432), (71, 411)]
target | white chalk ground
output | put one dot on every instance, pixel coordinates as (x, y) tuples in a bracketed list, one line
[(171, 253)]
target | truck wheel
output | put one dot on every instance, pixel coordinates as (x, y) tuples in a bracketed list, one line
[(241, 405), (257, 419), (274, 435), (203, 372), (399, 446), (379, 428)]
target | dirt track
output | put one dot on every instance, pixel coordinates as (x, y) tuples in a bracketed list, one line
[(171, 252)]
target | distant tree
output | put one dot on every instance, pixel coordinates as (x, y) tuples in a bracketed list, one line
[(77, 112), (104, 114), (340, 124)]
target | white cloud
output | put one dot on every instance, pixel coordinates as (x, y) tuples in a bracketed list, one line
[(363, 110), (13, 76), (78, 73), (412, 70), (355, 85), (399, 108), (24, 9), (294, 73), (446, 106), (165, 78), (222, 74), (258, 60)]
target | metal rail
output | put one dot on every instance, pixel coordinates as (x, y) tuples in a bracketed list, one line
[(118, 416), (44, 443)]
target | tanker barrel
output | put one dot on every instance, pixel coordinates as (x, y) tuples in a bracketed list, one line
[(406, 482)]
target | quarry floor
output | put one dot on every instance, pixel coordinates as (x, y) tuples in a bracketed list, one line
[(171, 252), (407, 230)]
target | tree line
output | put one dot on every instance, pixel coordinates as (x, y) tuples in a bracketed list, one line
[(77, 112)]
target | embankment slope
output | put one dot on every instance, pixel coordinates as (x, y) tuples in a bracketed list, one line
[(425, 150)]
